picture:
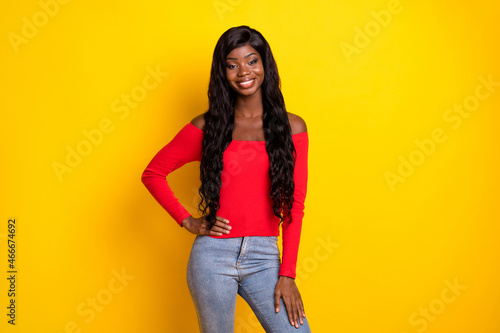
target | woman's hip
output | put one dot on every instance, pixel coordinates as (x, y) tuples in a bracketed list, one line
[(229, 255)]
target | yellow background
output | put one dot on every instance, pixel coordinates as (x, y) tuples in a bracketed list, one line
[(393, 250)]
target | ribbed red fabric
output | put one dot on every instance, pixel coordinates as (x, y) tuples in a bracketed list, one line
[(244, 195)]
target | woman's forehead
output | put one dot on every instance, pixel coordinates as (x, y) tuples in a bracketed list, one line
[(242, 52)]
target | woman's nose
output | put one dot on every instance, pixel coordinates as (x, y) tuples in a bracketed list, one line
[(243, 71)]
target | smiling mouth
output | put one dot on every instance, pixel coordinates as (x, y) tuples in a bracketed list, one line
[(246, 84)]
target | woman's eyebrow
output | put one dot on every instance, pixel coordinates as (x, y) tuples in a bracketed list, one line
[(248, 55)]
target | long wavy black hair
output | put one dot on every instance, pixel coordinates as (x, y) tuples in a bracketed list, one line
[(219, 125)]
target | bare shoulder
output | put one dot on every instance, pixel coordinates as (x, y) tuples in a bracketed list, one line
[(297, 124), (199, 121)]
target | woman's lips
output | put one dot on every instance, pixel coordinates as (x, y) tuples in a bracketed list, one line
[(246, 84)]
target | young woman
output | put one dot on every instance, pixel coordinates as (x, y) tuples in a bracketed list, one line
[(253, 171)]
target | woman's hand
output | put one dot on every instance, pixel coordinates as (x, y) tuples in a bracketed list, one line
[(287, 289), (199, 226)]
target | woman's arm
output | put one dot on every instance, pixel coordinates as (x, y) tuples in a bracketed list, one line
[(292, 231), (286, 287), (183, 148)]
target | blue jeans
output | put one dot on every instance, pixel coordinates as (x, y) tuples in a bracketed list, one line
[(221, 268)]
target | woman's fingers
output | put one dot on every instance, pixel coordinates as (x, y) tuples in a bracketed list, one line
[(295, 313), (292, 305), (220, 227), (218, 231), (287, 290), (290, 309), (199, 226), (300, 312), (221, 221), (277, 297)]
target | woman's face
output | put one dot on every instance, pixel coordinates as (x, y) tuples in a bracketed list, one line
[(244, 70)]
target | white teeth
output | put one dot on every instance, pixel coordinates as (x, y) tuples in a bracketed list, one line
[(246, 83)]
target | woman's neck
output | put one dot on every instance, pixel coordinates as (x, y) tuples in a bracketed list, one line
[(249, 106)]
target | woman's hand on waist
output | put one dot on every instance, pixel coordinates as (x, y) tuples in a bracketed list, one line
[(199, 226)]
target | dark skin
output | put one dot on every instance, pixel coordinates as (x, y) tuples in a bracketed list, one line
[(245, 74)]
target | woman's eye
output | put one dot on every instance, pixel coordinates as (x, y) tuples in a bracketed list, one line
[(231, 66), (253, 61)]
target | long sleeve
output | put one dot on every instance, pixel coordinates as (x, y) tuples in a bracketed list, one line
[(292, 231), (183, 148)]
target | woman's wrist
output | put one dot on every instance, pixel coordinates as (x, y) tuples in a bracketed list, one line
[(186, 220)]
